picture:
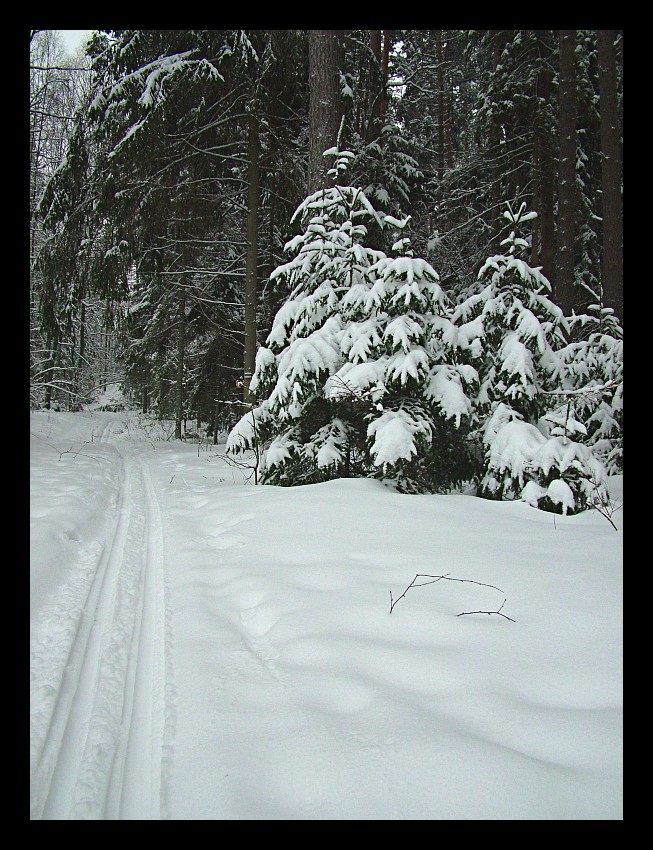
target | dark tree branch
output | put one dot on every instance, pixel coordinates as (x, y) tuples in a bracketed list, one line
[(433, 578), (498, 611)]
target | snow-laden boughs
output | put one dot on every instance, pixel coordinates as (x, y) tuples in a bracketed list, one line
[(516, 337), (551, 472), (245, 435), (355, 374), (511, 329), (592, 378), (129, 91), (368, 371), (386, 169)]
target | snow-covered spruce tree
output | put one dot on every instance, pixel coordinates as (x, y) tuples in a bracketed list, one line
[(514, 334), (355, 374), (592, 375)]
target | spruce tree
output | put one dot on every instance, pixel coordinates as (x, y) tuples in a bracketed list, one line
[(355, 376), (592, 378), (515, 336)]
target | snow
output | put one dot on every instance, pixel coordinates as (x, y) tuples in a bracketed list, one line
[(517, 360), (207, 649), (402, 366), (245, 433), (515, 446), (358, 378), (393, 434), (560, 494), (445, 388)]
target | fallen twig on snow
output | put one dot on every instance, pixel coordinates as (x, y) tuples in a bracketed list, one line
[(447, 577), (498, 611)]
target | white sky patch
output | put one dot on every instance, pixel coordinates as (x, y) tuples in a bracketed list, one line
[(73, 39)]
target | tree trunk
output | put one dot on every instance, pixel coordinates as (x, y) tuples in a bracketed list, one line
[(81, 351), (546, 167), (385, 62), (54, 362), (565, 290), (216, 419), (162, 380), (252, 255), (324, 60), (536, 240), (374, 123), (612, 267), (442, 142), (107, 357), (181, 345), (547, 220), (496, 195), (378, 96)]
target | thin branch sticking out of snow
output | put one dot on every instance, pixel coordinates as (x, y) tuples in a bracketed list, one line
[(498, 611), (433, 578)]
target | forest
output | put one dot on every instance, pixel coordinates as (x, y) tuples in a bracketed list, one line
[(358, 253)]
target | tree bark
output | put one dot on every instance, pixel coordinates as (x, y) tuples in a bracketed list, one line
[(181, 345), (252, 255), (378, 96), (81, 351), (546, 175), (376, 45), (535, 223), (612, 266), (496, 197), (445, 156), (324, 60), (565, 289), (54, 362), (385, 63)]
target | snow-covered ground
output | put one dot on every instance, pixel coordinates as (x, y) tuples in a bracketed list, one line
[(202, 648)]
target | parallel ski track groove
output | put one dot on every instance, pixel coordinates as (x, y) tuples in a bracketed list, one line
[(62, 742), (104, 748)]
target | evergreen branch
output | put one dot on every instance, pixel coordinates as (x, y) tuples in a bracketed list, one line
[(584, 390)]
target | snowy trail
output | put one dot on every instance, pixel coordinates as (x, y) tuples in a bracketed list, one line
[(103, 752)]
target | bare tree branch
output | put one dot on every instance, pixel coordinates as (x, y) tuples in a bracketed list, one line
[(498, 611), (434, 578)]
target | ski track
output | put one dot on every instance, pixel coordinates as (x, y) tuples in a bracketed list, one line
[(103, 755)]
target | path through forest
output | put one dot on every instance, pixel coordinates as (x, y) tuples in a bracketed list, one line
[(102, 751)]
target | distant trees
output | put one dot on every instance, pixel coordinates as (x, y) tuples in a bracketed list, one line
[(168, 180), (59, 310), (503, 91)]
